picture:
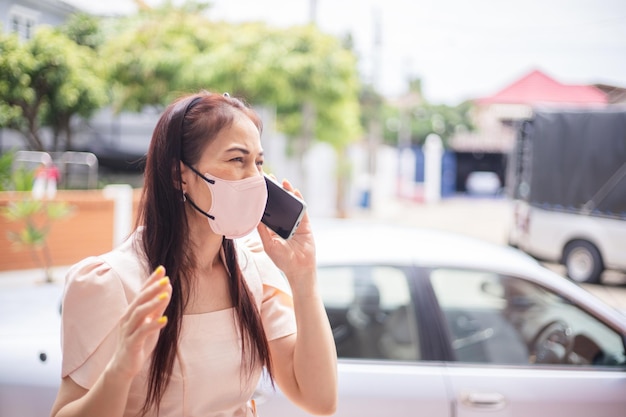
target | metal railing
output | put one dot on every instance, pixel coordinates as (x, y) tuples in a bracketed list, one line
[(77, 169)]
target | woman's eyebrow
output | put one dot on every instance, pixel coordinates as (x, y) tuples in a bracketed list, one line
[(241, 150), (238, 149)]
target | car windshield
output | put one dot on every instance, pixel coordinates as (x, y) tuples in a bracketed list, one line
[(499, 319)]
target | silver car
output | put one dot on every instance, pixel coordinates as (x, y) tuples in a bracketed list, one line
[(30, 349), (426, 323), (434, 324)]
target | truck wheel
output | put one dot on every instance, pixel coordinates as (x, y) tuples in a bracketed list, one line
[(583, 262)]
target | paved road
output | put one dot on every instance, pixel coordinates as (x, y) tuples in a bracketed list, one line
[(485, 218)]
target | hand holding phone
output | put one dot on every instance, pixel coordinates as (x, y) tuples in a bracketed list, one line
[(283, 210)]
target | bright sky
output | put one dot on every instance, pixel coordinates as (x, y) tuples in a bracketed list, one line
[(461, 49)]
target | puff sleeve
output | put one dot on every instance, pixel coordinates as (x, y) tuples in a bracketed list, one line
[(93, 303)]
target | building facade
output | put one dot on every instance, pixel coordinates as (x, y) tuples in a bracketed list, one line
[(23, 16), (496, 115)]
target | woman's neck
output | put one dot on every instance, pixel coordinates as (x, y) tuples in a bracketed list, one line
[(205, 246)]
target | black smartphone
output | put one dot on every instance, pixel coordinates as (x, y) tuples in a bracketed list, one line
[(283, 210)]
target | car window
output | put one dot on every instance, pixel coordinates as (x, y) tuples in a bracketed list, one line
[(370, 311), (507, 320)]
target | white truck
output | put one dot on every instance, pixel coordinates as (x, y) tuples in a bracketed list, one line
[(567, 181)]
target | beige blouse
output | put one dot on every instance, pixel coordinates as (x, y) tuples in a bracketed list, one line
[(207, 379)]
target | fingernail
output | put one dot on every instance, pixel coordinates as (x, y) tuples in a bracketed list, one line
[(159, 269), (162, 320), (163, 281), (163, 296)]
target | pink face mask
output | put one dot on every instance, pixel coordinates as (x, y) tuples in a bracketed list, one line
[(236, 206)]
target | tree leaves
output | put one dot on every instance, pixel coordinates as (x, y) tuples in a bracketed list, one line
[(148, 59), (46, 80), (156, 56)]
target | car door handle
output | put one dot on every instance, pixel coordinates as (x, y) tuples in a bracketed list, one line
[(491, 400)]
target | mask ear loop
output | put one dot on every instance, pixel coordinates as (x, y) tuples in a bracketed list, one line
[(180, 136), (209, 180), (194, 205), (187, 198)]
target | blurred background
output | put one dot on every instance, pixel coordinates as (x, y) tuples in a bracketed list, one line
[(501, 120), (403, 110)]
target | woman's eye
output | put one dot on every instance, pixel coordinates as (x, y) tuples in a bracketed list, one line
[(259, 163), (237, 159)]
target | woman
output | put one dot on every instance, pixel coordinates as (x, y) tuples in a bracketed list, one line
[(181, 318)]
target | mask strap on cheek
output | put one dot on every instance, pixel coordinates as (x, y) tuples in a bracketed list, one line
[(210, 181), (194, 205), (186, 196)]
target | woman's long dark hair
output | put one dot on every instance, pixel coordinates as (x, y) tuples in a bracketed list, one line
[(181, 134)]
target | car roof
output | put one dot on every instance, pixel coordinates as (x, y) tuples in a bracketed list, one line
[(363, 241)]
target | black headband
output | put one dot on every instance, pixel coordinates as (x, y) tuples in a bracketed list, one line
[(182, 119), (182, 123), (189, 106)]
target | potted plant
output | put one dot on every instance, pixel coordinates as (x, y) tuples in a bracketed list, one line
[(34, 217)]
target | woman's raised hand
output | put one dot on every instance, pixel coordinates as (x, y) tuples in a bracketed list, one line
[(141, 323)]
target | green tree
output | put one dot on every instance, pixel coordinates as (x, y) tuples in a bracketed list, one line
[(151, 57), (83, 90), (424, 118), (160, 53), (46, 80), (83, 29), (6, 166), (320, 71), (309, 77)]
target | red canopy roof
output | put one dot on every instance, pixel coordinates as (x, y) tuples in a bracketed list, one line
[(538, 88)]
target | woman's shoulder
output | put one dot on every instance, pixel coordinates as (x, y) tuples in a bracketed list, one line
[(271, 290), (98, 290), (253, 259), (254, 262), (123, 267)]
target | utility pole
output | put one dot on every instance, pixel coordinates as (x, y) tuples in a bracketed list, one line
[(375, 126), (312, 11), (309, 116)]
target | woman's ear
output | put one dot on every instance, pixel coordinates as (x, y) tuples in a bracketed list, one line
[(184, 172)]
